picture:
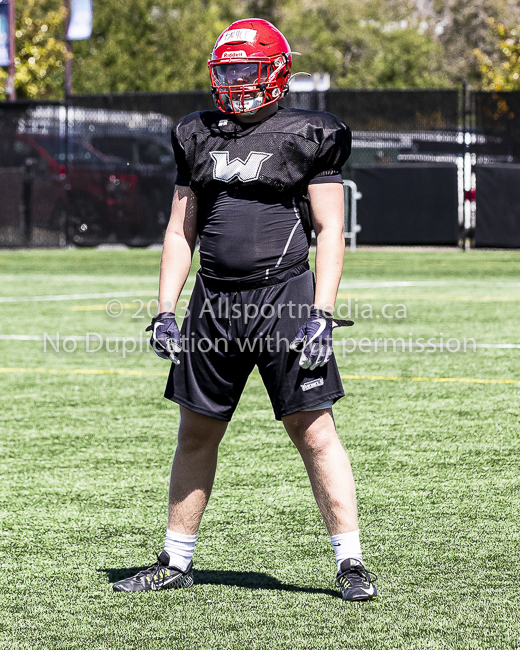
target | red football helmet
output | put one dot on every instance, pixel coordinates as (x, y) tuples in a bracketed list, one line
[(249, 67)]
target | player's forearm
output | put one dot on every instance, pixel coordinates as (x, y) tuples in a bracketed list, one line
[(330, 251), (175, 267), (179, 244), (327, 204)]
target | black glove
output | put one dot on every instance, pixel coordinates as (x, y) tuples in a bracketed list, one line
[(166, 338), (314, 338)]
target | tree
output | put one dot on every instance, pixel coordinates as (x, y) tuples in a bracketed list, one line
[(150, 45), (163, 45), (501, 69), (40, 51), (460, 27), (363, 44)]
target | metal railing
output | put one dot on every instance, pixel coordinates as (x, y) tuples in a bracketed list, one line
[(351, 227)]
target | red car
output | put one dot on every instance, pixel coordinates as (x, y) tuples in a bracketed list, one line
[(76, 189)]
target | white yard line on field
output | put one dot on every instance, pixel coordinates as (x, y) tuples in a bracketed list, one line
[(49, 277), (371, 284), (345, 283), (75, 296), (435, 297), (144, 337), (82, 296)]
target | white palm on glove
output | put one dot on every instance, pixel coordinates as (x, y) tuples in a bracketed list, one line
[(314, 338), (166, 338)]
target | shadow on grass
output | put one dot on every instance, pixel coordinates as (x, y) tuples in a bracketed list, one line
[(246, 579)]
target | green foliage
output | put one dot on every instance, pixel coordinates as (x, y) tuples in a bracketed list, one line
[(501, 69), (40, 51), (163, 45), (150, 45), (362, 45), (460, 26)]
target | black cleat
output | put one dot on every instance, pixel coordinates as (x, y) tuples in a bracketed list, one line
[(355, 582), (159, 576)]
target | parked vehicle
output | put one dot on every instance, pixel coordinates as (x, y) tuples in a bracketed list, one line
[(72, 185), (152, 159)]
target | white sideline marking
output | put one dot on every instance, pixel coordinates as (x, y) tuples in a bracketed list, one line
[(22, 277), (49, 277), (367, 284), (399, 345), (75, 296), (40, 337), (72, 337)]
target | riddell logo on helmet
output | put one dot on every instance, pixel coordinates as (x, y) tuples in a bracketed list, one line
[(234, 54), (237, 36)]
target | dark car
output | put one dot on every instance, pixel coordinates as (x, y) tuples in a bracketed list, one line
[(77, 189), (153, 161)]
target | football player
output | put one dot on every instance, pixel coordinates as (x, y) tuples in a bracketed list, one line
[(253, 180)]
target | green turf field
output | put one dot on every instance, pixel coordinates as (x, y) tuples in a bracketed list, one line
[(87, 440)]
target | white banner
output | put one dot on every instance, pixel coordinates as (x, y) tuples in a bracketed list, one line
[(80, 24), (4, 34)]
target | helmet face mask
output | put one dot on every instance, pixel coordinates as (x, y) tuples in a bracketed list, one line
[(249, 74), (240, 74)]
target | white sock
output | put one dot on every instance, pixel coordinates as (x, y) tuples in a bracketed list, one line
[(346, 545), (180, 548)]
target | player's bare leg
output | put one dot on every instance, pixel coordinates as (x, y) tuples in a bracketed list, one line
[(327, 464), (192, 476), (193, 470), (314, 434)]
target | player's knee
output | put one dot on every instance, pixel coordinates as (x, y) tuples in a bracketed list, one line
[(192, 440), (198, 432), (311, 435), (316, 443)]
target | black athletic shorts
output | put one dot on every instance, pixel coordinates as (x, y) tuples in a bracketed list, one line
[(230, 329)]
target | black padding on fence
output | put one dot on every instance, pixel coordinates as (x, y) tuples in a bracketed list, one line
[(104, 171), (498, 206), (11, 206), (408, 204)]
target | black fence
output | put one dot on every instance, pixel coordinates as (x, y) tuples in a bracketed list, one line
[(101, 169)]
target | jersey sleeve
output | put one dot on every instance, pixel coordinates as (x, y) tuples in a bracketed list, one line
[(326, 178), (183, 169), (334, 150)]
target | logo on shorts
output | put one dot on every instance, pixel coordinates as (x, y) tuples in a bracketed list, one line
[(312, 384)]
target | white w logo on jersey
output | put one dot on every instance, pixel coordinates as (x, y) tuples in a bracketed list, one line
[(226, 171)]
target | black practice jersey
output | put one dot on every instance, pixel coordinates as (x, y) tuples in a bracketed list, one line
[(251, 182)]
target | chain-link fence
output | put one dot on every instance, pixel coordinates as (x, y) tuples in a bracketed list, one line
[(102, 170), (494, 153), (496, 127)]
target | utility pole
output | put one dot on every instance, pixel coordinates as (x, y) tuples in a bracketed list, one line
[(68, 94), (12, 52), (68, 60)]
